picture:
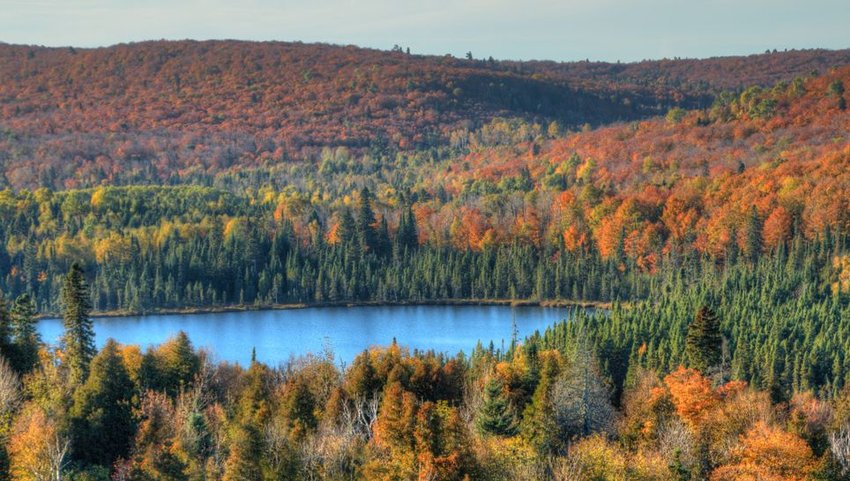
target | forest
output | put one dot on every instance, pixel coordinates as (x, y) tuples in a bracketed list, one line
[(166, 112), (703, 205), (553, 406), (521, 212)]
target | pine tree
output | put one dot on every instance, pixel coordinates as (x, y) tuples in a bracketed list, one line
[(26, 337), (365, 219), (102, 425), (538, 420), (704, 342), (383, 245), (299, 405), (79, 332), (395, 423), (496, 416), (407, 236), (361, 380), (348, 230), (179, 363)]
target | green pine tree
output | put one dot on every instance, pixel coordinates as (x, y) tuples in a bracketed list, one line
[(407, 236), (102, 424), (496, 416), (538, 420), (299, 405), (704, 342), (25, 332), (366, 233), (79, 333)]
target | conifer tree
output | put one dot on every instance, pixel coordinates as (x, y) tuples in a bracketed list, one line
[(361, 380), (179, 363), (79, 332), (496, 416), (102, 424), (407, 236), (348, 229), (395, 423), (25, 332), (383, 245), (365, 219), (299, 405), (704, 342), (538, 420)]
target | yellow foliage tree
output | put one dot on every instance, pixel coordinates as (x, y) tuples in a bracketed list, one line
[(767, 453), (37, 450), (692, 395)]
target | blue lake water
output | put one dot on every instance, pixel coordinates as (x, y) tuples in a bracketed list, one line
[(278, 335)]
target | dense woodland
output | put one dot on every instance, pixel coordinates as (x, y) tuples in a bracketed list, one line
[(554, 406), (522, 213), (707, 203)]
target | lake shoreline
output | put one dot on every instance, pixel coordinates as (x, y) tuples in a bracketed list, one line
[(282, 307)]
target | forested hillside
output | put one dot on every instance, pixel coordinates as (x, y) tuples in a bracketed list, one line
[(516, 212), (706, 206), (172, 111), (706, 202)]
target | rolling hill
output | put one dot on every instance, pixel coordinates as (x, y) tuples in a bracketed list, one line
[(154, 111)]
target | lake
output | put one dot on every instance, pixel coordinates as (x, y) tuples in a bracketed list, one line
[(278, 334)]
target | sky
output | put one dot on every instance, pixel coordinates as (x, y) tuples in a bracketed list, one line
[(610, 30)]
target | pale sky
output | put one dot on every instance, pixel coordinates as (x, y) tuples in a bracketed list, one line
[(610, 30)]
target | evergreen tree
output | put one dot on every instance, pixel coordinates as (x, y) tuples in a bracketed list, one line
[(383, 245), (704, 342), (496, 415), (395, 423), (178, 363), (102, 424), (348, 229), (79, 333), (836, 88), (407, 236), (361, 379), (25, 331), (365, 222), (299, 405), (538, 420)]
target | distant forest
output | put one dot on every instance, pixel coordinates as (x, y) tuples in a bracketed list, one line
[(158, 112)]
